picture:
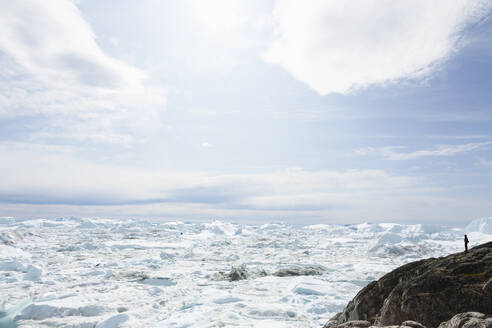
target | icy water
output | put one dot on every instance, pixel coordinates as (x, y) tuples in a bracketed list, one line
[(137, 273)]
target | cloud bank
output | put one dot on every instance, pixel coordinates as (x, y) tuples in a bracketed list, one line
[(44, 176), (341, 46), (40, 180), (443, 150)]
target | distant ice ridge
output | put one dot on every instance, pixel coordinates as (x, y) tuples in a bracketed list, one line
[(483, 225), (421, 240), (88, 272)]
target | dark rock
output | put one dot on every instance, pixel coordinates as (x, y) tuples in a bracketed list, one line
[(300, 271), (468, 320), (122, 309), (367, 324), (429, 291), (487, 287), (462, 320), (355, 323), (412, 324), (348, 324), (238, 273)]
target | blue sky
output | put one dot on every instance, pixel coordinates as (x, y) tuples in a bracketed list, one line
[(249, 111)]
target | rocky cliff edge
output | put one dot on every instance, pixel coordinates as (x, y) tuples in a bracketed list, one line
[(428, 292)]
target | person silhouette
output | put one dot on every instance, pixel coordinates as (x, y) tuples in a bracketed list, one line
[(466, 244)]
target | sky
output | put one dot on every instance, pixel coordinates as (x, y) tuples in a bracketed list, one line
[(247, 110)]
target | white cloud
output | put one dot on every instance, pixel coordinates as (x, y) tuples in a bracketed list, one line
[(443, 150), (53, 42), (52, 66), (340, 46)]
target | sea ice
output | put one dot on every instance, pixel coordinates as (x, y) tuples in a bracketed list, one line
[(46, 310), (114, 321), (33, 273), (139, 273)]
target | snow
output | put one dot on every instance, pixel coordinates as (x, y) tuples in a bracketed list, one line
[(9, 252), (71, 272)]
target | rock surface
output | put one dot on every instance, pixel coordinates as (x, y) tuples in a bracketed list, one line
[(236, 273), (461, 320), (468, 320), (241, 272), (309, 270), (367, 324), (428, 291)]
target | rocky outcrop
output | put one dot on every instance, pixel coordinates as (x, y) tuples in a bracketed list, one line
[(241, 272), (367, 324), (429, 291), (236, 273), (310, 270), (462, 320), (468, 320)]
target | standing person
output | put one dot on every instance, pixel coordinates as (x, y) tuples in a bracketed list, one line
[(466, 244)]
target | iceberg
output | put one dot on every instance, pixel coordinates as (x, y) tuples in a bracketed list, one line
[(7, 317), (483, 225)]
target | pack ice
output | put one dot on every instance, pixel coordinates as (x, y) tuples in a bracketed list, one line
[(72, 272)]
